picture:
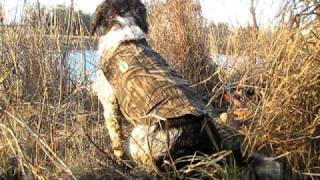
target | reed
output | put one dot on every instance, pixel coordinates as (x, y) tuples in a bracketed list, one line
[(51, 126)]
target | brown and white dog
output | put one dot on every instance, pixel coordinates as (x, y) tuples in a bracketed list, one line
[(169, 118)]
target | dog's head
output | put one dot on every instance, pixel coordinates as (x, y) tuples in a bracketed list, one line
[(107, 12)]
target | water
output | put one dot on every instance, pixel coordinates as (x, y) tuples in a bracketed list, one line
[(227, 62), (84, 63)]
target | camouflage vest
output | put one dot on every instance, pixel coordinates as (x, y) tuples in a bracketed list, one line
[(146, 88)]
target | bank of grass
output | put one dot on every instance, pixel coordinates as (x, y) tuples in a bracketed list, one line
[(51, 126)]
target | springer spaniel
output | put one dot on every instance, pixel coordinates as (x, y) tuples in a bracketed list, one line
[(170, 120)]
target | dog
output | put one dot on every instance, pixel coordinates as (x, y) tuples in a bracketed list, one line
[(135, 82), (169, 119)]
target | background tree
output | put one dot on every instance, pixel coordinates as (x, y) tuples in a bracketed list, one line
[(302, 13), (58, 20)]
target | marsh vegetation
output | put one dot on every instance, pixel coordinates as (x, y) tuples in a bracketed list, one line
[(51, 126)]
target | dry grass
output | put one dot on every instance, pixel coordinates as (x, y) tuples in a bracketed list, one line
[(50, 119), (177, 32), (52, 127), (286, 108), (281, 64)]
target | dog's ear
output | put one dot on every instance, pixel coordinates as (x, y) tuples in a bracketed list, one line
[(103, 15), (139, 12), (97, 18)]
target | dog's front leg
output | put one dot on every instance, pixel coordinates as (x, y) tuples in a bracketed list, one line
[(111, 112), (114, 126)]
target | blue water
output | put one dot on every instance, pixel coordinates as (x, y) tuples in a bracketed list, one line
[(83, 64), (78, 58)]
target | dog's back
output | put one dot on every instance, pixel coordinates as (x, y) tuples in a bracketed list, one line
[(147, 88)]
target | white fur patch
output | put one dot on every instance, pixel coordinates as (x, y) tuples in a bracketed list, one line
[(128, 31), (105, 93), (146, 143)]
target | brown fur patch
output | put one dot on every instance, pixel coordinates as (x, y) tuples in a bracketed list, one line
[(104, 17)]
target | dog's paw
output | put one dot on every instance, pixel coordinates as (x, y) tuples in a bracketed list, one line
[(119, 154)]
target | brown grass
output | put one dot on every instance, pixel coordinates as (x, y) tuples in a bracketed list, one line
[(177, 32), (51, 126), (49, 115), (285, 108), (281, 64)]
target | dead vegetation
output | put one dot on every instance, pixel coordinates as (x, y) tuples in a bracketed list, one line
[(51, 127), (271, 89)]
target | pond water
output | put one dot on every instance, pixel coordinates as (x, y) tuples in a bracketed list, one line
[(227, 61), (85, 63)]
